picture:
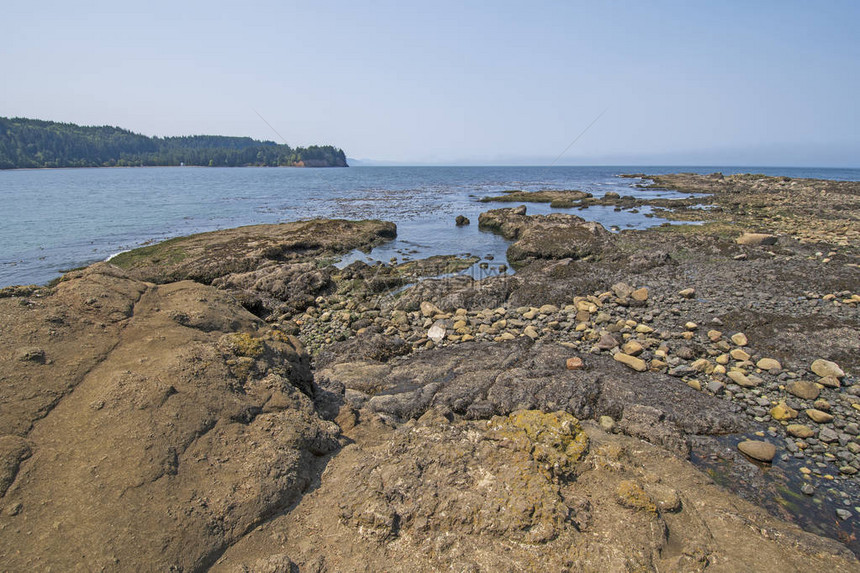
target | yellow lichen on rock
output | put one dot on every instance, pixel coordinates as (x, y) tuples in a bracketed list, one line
[(631, 495), (783, 411), (555, 440), (241, 344)]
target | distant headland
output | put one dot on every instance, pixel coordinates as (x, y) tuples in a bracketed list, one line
[(32, 144)]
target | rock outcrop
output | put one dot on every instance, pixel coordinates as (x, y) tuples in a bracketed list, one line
[(522, 492), (164, 423), (208, 256), (481, 380), (555, 236)]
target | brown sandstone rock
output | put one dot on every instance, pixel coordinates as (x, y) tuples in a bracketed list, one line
[(186, 411), (756, 239), (803, 389), (768, 364), (827, 368), (631, 361), (640, 294), (437, 493), (818, 416), (554, 236), (757, 450), (799, 431), (783, 412)]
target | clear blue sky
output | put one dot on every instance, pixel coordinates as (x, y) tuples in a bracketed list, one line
[(752, 83)]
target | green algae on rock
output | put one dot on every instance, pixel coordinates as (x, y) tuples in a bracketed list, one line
[(207, 256)]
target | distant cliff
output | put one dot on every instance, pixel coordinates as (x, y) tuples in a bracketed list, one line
[(33, 143)]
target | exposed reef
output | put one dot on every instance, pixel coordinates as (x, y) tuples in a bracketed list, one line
[(810, 210)]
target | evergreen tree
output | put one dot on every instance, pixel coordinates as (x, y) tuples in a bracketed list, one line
[(33, 143)]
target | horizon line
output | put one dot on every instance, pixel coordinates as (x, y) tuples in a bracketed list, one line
[(383, 163)]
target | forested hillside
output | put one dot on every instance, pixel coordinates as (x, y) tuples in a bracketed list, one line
[(32, 143)]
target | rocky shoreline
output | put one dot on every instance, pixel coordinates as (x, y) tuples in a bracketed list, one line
[(280, 412)]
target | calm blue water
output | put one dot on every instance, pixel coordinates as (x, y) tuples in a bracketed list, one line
[(59, 219)]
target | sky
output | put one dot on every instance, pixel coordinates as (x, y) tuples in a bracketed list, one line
[(455, 82)]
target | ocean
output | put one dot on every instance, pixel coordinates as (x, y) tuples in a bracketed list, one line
[(58, 219)]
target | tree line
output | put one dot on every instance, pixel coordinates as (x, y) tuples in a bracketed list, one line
[(33, 143)]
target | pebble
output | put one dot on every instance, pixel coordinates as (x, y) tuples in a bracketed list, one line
[(783, 412), (607, 424), (607, 342), (715, 386), (739, 354), (756, 239), (742, 379), (822, 404), (768, 364), (436, 333), (740, 339), (682, 370), (758, 450), (799, 431), (632, 348), (828, 436), (429, 309), (688, 293), (622, 290), (640, 294), (635, 363), (803, 389), (827, 368), (818, 416), (575, 363)]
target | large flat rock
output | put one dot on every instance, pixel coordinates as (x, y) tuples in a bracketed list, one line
[(160, 424)]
